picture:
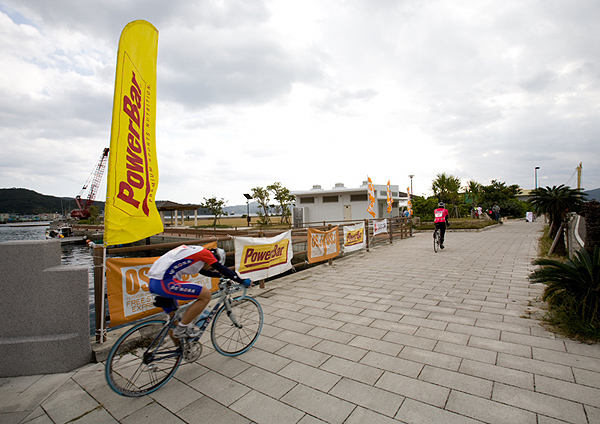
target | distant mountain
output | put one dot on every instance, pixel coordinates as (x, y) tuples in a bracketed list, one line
[(28, 202), (593, 194), (23, 201)]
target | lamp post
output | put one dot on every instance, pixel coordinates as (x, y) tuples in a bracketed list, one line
[(536, 184), (411, 189), (248, 197)]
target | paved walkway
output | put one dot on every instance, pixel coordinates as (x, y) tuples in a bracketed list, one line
[(399, 334)]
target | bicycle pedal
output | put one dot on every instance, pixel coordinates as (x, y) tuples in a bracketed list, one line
[(192, 351)]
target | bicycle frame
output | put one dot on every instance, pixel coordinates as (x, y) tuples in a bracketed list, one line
[(223, 295)]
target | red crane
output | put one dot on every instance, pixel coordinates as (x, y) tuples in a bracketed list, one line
[(83, 211)]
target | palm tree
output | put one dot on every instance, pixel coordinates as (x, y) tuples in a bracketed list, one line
[(557, 203), (446, 187), (572, 286)]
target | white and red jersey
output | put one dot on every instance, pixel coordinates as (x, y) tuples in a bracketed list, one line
[(440, 215), (183, 260)]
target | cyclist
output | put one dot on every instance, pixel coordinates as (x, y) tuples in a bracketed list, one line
[(166, 282), (441, 221)]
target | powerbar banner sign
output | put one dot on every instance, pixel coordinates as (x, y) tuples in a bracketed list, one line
[(129, 297), (354, 237), (260, 258), (323, 245), (380, 227), (132, 179), (390, 200)]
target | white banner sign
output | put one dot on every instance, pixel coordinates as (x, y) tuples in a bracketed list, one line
[(354, 237), (380, 227), (260, 258)]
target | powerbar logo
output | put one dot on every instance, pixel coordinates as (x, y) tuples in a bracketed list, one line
[(354, 237), (264, 256), (135, 178)]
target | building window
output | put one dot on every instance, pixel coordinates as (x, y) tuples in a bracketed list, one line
[(307, 200), (330, 199), (359, 197)]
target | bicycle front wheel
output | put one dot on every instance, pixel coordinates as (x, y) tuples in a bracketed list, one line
[(436, 241), (233, 333), (142, 360)]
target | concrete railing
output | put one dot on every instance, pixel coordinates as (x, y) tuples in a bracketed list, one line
[(44, 310)]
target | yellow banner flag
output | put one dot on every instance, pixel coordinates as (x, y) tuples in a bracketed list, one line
[(371, 207), (130, 210), (390, 200)]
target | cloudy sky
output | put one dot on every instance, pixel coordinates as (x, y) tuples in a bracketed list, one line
[(308, 92)]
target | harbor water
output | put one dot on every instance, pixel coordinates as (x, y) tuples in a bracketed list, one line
[(72, 254)]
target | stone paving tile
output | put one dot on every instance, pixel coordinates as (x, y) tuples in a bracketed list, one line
[(153, 412), (467, 352), (497, 373), (376, 345), (535, 366), (269, 410), (68, 403), (567, 390), (298, 338), (587, 378), (548, 342), (488, 411), (500, 346), (175, 396), (415, 412), (414, 389), (431, 358), (340, 350), (351, 369), (577, 361), (265, 382), (456, 380), (219, 388), (321, 405), (393, 364), (540, 403), (362, 416), (310, 376), (300, 354), (367, 396)]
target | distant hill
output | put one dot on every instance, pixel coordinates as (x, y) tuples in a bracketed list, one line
[(593, 194), (28, 202), (23, 201)]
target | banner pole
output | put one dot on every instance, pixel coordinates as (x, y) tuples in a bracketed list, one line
[(102, 302)]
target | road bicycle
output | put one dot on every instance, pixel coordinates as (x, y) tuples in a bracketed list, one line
[(436, 240), (146, 356)]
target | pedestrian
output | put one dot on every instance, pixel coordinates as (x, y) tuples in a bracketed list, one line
[(496, 212)]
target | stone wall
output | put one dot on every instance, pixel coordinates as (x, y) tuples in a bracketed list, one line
[(44, 310)]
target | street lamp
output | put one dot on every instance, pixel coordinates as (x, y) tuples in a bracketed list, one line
[(248, 197), (536, 168), (411, 189)]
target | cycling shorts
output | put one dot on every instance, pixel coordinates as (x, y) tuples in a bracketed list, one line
[(175, 289)]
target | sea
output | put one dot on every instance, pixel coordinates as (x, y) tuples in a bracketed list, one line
[(72, 254)]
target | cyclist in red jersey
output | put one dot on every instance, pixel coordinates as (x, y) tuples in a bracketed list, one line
[(441, 221)]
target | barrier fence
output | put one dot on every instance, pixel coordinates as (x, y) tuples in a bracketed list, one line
[(376, 232)]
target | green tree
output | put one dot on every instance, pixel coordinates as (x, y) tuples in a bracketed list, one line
[(284, 198), (262, 197), (424, 208), (503, 195), (557, 202), (446, 188), (473, 190), (215, 206)]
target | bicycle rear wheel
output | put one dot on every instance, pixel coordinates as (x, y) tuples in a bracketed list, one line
[(234, 333), (436, 240), (143, 359)]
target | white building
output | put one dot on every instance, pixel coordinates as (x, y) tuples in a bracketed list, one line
[(342, 203)]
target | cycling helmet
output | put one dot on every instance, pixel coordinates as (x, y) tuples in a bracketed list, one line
[(441, 205), (219, 254)]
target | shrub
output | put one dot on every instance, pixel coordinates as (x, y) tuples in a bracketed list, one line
[(572, 292)]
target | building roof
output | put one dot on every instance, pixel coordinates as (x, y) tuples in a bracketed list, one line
[(173, 206)]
